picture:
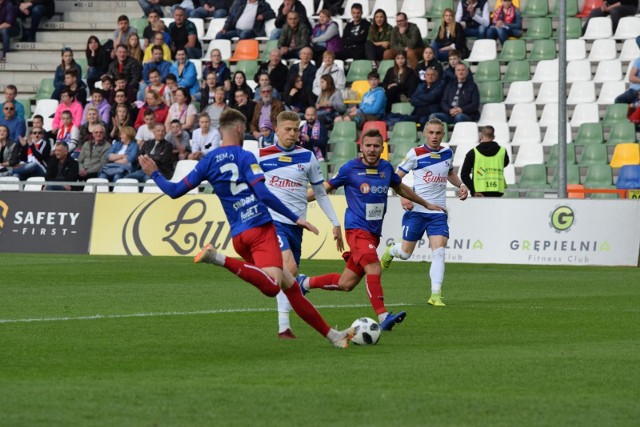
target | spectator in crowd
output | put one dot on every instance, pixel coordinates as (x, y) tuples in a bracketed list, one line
[(86, 130), (400, 81), (148, 32), (325, 36), (263, 80), (186, 73), (211, 9), (34, 155), (297, 96), (267, 135), (246, 20), (334, 6), (184, 35), (294, 36), (634, 112), (68, 102), (93, 153), (108, 86), (182, 110), (506, 22), (631, 95), (172, 85), (314, 135), (379, 38), (104, 109), (208, 92), (10, 93), (461, 99), (121, 157), (205, 138), (187, 5), (36, 10), (354, 35), (215, 109), (77, 86), (483, 168), (149, 6), (8, 25), (267, 110), (220, 68), (63, 168), (405, 36), (126, 68), (160, 150), (282, 16), (330, 103), (122, 33), (120, 98), (121, 118), (179, 139), (157, 42), (428, 61), (247, 107), (9, 152), (38, 122), (372, 105), (98, 60), (450, 36), (304, 67), (474, 16), (449, 73), (68, 132), (160, 68), (239, 82), (135, 50), (276, 70), (616, 9), (16, 125), (426, 99), (144, 131), (68, 63), (329, 67)]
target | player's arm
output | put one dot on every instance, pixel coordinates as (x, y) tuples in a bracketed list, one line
[(311, 195), (407, 204), (266, 196), (405, 191), (171, 189), (325, 204), (456, 181)]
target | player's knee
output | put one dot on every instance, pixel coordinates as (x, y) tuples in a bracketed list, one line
[(347, 286), (438, 253), (402, 254)]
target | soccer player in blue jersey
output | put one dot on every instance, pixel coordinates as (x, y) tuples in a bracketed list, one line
[(432, 166), (239, 183), (366, 182), (288, 170)]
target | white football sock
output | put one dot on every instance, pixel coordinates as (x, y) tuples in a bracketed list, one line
[(382, 317), (284, 307), (436, 272), (396, 251)]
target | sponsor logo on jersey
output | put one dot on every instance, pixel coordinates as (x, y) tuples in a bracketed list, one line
[(374, 211), (364, 188), (285, 159), (372, 171), (429, 177), (280, 182), (256, 168), (435, 155)]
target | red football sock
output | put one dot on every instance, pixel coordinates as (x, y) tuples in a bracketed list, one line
[(306, 310), (374, 291), (328, 282), (254, 275)]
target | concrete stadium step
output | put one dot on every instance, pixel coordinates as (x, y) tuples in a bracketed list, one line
[(84, 16), (80, 25), (23, 80), (69, 37), (39, 57), (124, 7), (54, 47)]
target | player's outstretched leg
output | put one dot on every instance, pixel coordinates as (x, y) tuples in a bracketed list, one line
[(284, 325), (328, 282), (247, 272), (386, 259), (376, 296), (394, 250)]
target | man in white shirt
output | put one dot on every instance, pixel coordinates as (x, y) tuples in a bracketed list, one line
[(246, 20)]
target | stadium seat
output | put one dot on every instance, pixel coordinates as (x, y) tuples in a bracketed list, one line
[(215, 25), (96, 185), (628, 28), (199, 24), (493, 113), (359, 70), (383, 66), (269, 26), (534, 8), (198, 66), (343, 132), (576, 49), (599, 176), (45, 108), (581, 92), (588, 6), (502, 135), (578, 71), (139, 24), (26, 104), (464, 132), (543, 49), (510, 174), (630, 51), (402, 108), (246, 49), (422, 25), (549, 116), (622, 132), (223, 45), (375, 124), (546, 71), (553, 155), (268, 47), (525, 112), (151, 187), (575, 194), (513, 50), (625, 154), (590, 133), (483, 50), (413, 9), (547, 93), (594, 154), (490, 92), (526, 134), (389, 6), (404, 131), (608, 71), (45, 90), (533, 176), (615, 113), (585, 113), (518, 92), (487, 71), (126, 188), (183, 168), (9, 183), (538, 28), (602, 50), (529, 154), (598, 27), (400, 150), (461, 152), (517, 71), (574, 29), (252, 146), (342, 153), (249, 68), (551, 135), (629, 177), (437, 8), (572, 8), (609, 91), (573, 175), (360, 87), (34, 183)]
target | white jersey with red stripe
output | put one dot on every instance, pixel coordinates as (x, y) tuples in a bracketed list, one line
[(430, 172), (287, 175)]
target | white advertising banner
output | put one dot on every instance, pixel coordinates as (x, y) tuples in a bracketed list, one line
[(536, 231)]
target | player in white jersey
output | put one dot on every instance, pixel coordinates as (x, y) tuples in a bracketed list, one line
[(432, 167), (288, 171)]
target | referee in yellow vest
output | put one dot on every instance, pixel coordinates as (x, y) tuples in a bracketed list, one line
[(483, 167)]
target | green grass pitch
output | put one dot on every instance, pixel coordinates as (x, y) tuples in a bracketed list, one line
[(133, 341)]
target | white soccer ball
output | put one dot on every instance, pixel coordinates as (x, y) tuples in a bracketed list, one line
[(367, 331)]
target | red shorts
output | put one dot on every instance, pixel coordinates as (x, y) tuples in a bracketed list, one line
[(363, 252), (259, 246)]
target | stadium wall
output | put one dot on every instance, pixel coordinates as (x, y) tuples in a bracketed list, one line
[(505, 231)]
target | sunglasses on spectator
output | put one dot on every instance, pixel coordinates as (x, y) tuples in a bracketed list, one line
[(8, 108), (36, 132)]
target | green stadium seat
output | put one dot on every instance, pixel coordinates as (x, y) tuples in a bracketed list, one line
[(82, 62), (402, 131), (535, 8), (513, 50), (402, 108), (400, 149), (45, 90), (342, 152), (343, 132), (573, 175), (26, 103), (517, 71), (542, 49), (490, 92), (622, 132), (268, 47), (615, 113), (248, 67), (359, 70), (538, 28), (600, 177), (594, 154), (324, 168), (383, 66), (574, 29), (487, 71), (572, 9), (589, 133), (553, 155), (139, 24), (438, 7), (533, 176)]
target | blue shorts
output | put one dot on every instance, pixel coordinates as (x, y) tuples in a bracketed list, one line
[(415, 224), (290, 238)]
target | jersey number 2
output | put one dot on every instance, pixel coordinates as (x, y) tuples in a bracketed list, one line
[(234, 187)]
